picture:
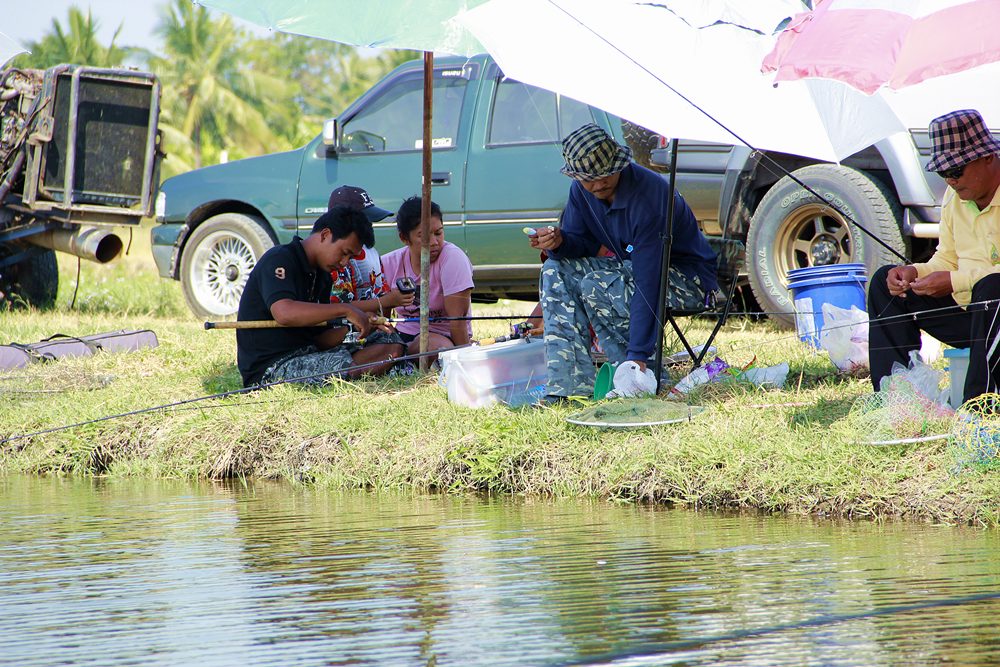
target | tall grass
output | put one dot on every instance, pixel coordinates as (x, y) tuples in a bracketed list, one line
[(125, 288)]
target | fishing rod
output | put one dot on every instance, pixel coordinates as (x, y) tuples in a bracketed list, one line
[(940, 311), (340, 322), (662, 650), (518, 331), (488, 341), (243, 390)]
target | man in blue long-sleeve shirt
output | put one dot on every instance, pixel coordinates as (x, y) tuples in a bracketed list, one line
[(622, 206)]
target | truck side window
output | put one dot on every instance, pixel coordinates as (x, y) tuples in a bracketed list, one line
[(393, 121), (523, 114), (572, 114)]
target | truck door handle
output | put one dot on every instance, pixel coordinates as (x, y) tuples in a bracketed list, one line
[(440, 178)]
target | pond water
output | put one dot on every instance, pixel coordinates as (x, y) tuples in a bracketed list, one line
[(96, 572)]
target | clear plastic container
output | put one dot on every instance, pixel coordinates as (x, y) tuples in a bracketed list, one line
[(512, 372)]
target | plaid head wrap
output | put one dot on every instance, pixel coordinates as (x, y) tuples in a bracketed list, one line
[(958, 138), (592, 154)]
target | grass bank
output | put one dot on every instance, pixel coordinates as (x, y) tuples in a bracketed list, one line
[(782, 451)]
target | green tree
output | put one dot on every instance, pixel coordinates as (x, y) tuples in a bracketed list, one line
[(211, 95), (77, 44), (327, 77)]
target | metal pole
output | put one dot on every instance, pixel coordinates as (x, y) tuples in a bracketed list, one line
[(425, 209), (668, 239)]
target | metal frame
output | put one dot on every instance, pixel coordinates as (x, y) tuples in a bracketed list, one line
[(41, 138)]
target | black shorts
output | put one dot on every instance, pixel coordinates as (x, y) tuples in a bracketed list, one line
[(409, 338)]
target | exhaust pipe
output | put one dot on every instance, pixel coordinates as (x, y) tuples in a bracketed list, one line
[(93, 243)]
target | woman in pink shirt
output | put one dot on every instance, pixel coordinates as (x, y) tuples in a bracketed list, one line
[(450, 280)]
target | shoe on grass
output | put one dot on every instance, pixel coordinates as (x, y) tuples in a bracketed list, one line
[(551, 400), (402, 369)]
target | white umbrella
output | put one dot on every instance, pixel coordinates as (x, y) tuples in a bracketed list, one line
[(643, 62), (9, 47)]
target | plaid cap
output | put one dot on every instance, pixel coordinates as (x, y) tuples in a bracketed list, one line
[(356, 198), (592, 154), (958, 138)]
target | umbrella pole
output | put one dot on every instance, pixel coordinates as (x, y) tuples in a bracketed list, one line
[(668, 239), (425, 209)]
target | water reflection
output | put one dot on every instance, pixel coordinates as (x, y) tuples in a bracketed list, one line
[(127, 572)]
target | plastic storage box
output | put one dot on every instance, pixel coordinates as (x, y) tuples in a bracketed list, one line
[(512, 373), (958, 366)]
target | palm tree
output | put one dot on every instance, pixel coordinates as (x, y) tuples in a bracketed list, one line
[(77, 44), (327, 76), (210, 94)]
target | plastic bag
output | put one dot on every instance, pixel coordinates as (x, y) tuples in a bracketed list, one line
[(918, 377), (702, 375), (763, 376), (845, 336), (629, 381)]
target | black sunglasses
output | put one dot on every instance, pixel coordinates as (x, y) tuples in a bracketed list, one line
[(953, 173)]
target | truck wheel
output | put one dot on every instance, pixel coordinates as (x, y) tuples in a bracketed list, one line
[(792, 228), (33, 281), (217, 260), (641, 141)]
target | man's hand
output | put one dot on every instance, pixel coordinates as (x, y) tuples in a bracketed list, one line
[(395, 299), (900, 279), (547, 238), (361, 320), (933, 284)]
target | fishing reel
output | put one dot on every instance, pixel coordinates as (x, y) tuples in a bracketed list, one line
[(520, 330), (406, 286)]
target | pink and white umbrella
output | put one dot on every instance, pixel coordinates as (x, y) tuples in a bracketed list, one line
[(869, 44)]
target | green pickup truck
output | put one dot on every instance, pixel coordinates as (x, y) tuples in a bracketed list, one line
[(496, 144), (496, 160)]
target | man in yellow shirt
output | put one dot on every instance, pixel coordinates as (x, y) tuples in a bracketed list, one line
[(960, 284)]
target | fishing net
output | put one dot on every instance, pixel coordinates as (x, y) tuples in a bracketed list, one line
[(975, 435), (634, 413), (897, 417)]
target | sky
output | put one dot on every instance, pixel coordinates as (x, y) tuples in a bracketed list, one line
[(28, 20)]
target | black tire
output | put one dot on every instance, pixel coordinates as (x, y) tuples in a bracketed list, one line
[(217, 260), (33, 281), (792, 228), (641, 141)]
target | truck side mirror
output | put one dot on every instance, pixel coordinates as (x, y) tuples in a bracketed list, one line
[(331, 135)]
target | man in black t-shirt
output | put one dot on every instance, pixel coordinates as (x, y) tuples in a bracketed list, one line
[(291, 285)]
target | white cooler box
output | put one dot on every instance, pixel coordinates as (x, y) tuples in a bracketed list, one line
[(512, 373)]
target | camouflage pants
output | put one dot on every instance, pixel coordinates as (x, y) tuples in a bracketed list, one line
[(316, 366), (595, 291)]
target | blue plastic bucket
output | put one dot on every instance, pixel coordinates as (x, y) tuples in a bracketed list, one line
[(810, 272), (809, 293)]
